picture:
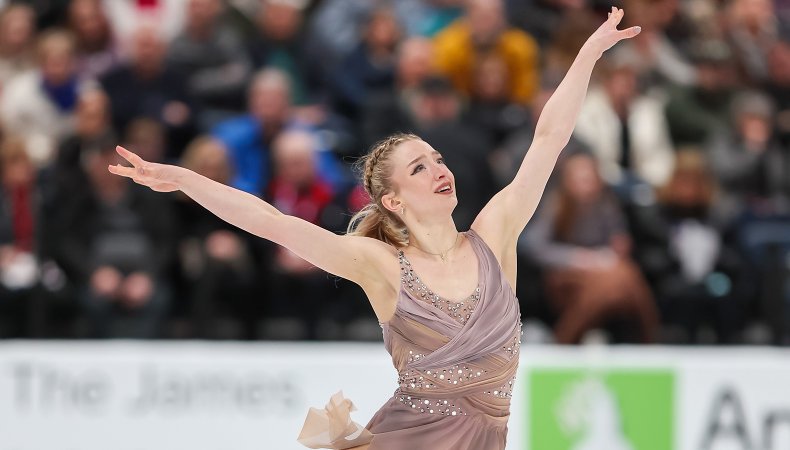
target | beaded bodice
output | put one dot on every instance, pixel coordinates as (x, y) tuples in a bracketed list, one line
[(460, 311), (455, 357)]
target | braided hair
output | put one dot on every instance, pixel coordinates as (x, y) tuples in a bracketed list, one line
[(374, 220)]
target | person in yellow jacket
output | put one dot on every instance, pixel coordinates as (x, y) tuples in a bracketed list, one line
[(482, 30)]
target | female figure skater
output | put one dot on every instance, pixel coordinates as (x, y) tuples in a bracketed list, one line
[(444, 298)]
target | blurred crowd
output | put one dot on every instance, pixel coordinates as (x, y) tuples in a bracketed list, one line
[(667, 219)]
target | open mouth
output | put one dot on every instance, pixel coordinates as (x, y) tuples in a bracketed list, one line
[(445, 190)]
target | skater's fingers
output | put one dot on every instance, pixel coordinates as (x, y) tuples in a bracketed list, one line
[(129, 156)]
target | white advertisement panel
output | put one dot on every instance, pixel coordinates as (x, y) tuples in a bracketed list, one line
[(654, 398), (211, 396), (195, 396)]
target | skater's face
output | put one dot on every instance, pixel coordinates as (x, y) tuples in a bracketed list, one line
[(423, 184)]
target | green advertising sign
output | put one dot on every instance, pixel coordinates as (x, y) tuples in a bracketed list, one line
[(621, 409)]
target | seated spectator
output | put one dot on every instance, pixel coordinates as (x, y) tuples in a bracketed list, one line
[(581, 240), (754, 170), (686, 250), (209, 56), (370, 67), (484, 29), (216, 259), (92, 132), (17, 33), (694, 112), (752, 167), (657, 60), (279, 43), (248, 138), (385, 111), (147, 87), (115, 241), (751, 28), (19, 218), (299, 290), (491, 108), (39, 105), (97, 50), (626, 130), (335, 28)]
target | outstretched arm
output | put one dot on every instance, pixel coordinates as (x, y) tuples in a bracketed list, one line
[(505, 216), (355, 258)]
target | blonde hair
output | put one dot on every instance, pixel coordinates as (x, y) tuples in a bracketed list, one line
[(374, 220)]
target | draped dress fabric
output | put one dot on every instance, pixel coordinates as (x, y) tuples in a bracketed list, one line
[(456, 363)]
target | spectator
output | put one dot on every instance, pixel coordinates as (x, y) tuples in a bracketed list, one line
[(116, 244), (216, 259), (753, 168), (17, 33), (93, 132), (694, 112), (279, 43), (385, 111), (751, 29), (248, 138), (19, 219), (482, 30), (491, 108), (300, 290), (97, 50), (580, 238), (147, 87), (370, 67), (39, 105), (626, 130), (209, 55), (689, 254), (657, 60), (336, 25)]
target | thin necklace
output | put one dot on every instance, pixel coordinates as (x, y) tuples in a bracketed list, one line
[(443, 254)]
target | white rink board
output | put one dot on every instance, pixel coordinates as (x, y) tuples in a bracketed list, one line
[(125, 395), (196, 396)]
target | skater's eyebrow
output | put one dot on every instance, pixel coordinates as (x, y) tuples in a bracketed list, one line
[(435, 152)]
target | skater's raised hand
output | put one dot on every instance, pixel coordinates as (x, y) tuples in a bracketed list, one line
[(159, 177), (607, 34)]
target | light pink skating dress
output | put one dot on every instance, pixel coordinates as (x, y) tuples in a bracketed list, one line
[(456, 363)]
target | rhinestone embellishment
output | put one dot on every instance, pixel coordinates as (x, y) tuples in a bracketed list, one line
[(504, 391), (455, 375), (434, 406), (460, 311), (511, 349)]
